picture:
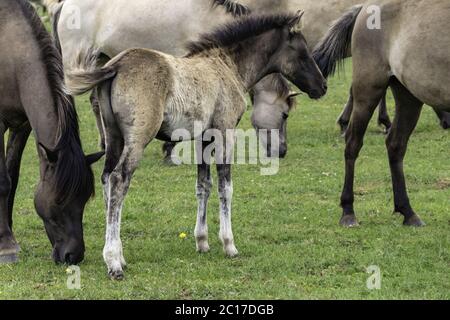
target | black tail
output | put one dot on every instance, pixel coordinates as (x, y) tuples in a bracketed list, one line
[(335, 46), (55, 29)]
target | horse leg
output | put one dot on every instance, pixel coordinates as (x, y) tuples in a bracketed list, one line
[(225, 195), (408, 109), (8, 245), (203, 190), (114, 149), (383, 116), (444, 118), (16, 144), (170, 158), (225, 188), (366, 99), (119, 182), (344, 118), (98, 119)]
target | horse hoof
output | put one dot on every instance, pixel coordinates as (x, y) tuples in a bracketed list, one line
[(414, 221), (123, 263), (349, 221), (116, 275), (172, 161), (231, 252), (9, 258), (202, 247), (445, 125)]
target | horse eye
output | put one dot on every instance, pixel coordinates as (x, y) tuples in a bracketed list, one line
[(285, 115)]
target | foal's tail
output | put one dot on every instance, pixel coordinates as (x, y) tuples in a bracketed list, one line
[(84, 74), (335, 46)]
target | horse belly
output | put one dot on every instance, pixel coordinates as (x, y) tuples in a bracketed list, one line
[(184, 120)]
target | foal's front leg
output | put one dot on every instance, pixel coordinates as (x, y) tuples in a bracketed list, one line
[(225, 195), (203, 190)]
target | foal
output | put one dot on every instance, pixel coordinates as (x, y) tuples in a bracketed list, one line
[(145, 94)]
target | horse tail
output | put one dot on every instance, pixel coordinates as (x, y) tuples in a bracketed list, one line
[(84, 75), (55, 21), (335, 46)]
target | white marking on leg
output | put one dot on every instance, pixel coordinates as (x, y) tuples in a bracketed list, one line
[(226, 233), (112, 252), (201, 227)]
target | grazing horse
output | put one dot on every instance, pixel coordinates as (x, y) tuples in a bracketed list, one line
[(32, 97), (412, 60), (145, 94)]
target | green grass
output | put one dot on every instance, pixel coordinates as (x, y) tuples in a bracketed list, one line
[(285, 226)]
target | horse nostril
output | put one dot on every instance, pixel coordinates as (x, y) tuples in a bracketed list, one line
[(68, 258)]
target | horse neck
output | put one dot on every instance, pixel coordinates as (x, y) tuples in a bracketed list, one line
[(252, 57)]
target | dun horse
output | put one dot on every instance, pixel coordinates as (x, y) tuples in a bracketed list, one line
[(166, 26), (412, 60), (145, 94), (32, 97)]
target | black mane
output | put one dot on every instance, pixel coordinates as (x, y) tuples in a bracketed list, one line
[(238, 31), (233, 7), (73, 176)]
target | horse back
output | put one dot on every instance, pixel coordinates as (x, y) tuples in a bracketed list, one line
[(412, 34)]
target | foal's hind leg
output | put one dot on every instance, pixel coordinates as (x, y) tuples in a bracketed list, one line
[(114, 149), (366, 98), (408, 110), (203, 190), (225, 188), (119, 182)]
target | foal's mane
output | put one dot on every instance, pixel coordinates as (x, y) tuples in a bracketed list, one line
[(237, 31), (233, 7), (73, 175)]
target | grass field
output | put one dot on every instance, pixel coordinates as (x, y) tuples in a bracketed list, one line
[(285, 226)]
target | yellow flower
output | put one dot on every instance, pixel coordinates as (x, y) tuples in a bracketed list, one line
[(182, 235)]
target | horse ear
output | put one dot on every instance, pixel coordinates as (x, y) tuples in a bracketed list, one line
[(296, 23), (49, 155), (94, 157)]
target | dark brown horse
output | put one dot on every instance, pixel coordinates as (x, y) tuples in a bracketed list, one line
[(402, 54), (32, 97)]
